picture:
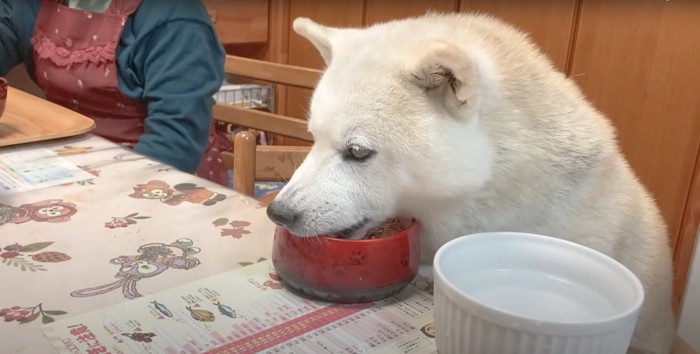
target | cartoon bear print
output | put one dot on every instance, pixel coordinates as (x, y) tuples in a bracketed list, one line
[(178, 194), (50, 210), (152, 259)]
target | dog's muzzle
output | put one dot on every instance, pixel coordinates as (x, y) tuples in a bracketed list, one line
[(282, 215)]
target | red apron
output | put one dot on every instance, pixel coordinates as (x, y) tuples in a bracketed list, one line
[(74, 65)]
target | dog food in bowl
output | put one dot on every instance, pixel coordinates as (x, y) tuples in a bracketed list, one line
[(349, 271), (388, 228)]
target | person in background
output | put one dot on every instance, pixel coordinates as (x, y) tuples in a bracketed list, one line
[(145, 71)]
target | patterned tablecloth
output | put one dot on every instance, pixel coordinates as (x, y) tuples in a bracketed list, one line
[(136, 228)]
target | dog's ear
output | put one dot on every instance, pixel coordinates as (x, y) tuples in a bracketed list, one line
[(448, 73), (320, 36)]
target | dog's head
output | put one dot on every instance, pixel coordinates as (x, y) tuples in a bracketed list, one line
[(395, 126)]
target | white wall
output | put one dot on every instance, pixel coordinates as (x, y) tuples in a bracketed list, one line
[(689, 325)]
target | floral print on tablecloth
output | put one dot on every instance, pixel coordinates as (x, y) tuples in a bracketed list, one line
[(90, 181), (137, 228), (235, 229), (125, 221), (26, 314)]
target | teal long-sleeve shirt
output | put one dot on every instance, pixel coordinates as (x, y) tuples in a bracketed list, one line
[(168, 56)]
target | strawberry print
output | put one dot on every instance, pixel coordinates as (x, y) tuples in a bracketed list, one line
[(14, 255)]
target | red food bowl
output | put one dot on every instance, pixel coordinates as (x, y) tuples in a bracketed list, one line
[(347, 271)]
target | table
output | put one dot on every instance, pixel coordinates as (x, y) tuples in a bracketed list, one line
[(30, 119), (137, 227)]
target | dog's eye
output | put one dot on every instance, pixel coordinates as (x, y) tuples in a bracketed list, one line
[(357, 153)]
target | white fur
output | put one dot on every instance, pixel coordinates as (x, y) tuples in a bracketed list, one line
[(474, 130)]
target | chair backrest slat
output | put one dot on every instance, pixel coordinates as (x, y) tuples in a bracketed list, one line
[(261, 120), (272, 72), (251, 162)]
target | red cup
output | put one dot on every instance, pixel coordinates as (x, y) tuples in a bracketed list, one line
[(347, 271), (3, 94)]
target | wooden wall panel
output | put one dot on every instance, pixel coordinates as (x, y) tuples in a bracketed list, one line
[(301, 52), (239, 22), (550, 23), (638, 63), (385, 10), (278, 46), (686, 240), (338, 13), (634, 62), (278, 41)]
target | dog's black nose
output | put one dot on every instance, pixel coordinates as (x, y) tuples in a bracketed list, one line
[(280, 214)]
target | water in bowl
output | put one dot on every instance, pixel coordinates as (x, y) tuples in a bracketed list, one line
[(536, 295)]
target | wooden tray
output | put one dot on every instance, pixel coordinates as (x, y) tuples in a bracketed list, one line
[(28, 119)]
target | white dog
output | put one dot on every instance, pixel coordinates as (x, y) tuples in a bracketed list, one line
[(461, 122)]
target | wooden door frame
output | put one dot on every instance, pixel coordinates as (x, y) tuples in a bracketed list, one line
[(687, 237)]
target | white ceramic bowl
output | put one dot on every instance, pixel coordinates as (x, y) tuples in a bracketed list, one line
[(516, 293)]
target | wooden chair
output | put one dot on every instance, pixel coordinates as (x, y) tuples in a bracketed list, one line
[(249, 161)]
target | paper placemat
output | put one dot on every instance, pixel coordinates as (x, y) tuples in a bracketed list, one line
[(248, 311), (26, 170)]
